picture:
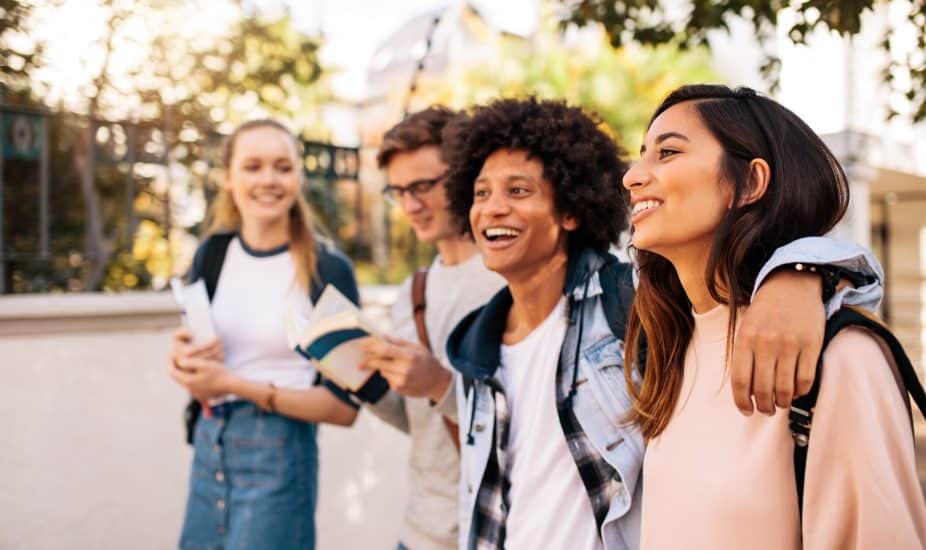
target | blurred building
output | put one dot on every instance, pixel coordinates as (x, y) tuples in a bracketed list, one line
[(835, 84)]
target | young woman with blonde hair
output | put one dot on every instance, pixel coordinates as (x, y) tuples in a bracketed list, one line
[(255, 467)]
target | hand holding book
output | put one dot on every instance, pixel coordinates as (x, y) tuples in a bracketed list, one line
[(332, 338), (409, 367)]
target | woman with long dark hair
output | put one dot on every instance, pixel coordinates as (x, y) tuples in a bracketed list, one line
[(725, 177)]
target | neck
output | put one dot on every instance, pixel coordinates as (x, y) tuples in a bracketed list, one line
[(455, 250), (265, 236), (534, 296), (691, 267)]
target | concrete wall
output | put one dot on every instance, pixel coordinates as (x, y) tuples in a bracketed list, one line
[(92, 454)]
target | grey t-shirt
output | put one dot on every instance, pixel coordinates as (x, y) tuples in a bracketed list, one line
[(451, 292)]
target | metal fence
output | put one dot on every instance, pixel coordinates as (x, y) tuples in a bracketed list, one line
[(66, 179)]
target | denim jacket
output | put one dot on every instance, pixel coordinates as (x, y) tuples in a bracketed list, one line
[(591, 393)]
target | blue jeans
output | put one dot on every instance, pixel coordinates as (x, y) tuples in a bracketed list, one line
[(254, 482)]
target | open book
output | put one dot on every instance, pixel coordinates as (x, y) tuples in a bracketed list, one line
[(331, 337)]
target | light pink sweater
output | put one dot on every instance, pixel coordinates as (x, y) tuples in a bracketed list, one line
[(715, 479)]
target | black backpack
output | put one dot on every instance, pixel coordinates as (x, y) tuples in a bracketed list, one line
[(801, 415), (210, 266)]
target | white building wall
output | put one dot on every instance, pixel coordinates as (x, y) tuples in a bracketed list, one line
[(92, 454)]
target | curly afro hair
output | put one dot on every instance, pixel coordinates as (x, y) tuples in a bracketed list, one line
[(583, 163)]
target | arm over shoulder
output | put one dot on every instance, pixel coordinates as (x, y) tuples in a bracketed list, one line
[(833, 252), (861, 488)]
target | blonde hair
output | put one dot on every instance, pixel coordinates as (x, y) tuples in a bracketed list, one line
[(224, 215)]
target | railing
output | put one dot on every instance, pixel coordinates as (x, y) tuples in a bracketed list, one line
[(70, 185)]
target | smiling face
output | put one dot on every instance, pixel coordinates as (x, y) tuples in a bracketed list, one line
[(513, 216), (427, 212), (263, 175), (676, 188)]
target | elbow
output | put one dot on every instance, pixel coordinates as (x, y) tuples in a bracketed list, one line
[(345, 417)]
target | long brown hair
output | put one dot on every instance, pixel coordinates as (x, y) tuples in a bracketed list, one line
[(807, 194), (224, 214)]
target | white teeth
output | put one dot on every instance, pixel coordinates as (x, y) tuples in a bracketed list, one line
[(501, 232), (643, 206)]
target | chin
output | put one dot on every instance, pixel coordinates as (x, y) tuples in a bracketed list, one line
[(425, 236)]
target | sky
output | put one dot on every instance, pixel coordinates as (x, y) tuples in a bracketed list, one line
[(813, 82), (354, 28)]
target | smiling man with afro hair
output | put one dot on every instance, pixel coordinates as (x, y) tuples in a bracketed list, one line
[(572, 148)]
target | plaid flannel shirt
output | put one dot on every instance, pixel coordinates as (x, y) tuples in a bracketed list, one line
[(599, 478)]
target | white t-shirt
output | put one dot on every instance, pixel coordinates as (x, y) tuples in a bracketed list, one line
[(452, 291), (549, 503), (254, 292)]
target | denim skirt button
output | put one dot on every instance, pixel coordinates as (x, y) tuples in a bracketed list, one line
[(220, 477), (220, 504)]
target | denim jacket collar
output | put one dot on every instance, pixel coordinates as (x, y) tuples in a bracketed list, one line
[(474, 345)]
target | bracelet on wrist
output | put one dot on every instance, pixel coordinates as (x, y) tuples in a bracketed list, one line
[(270, 404)]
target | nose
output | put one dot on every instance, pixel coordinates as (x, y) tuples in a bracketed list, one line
[(496, 204), (636, 176), (268, 176)]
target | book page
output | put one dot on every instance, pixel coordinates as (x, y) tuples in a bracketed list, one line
[(332, 336), (197, 312)]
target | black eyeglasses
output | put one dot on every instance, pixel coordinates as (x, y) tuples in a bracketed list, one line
[(417, 188)]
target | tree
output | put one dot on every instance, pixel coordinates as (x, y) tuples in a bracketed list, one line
[(18, 54), (668, 22), (623, 86), (190, 83)]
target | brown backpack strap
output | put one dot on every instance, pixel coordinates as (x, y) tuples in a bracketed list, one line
[(419, 305)]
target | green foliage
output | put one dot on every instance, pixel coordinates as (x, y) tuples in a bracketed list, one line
[(189, 86), (16, 60), (623, 86), (664, 22)]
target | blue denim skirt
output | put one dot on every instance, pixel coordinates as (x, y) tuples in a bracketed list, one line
[(254, 482)]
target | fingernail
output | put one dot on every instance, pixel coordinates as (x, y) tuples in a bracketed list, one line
[(746, 412)]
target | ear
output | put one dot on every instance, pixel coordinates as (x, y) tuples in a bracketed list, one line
[(759, 176), (569, 223)]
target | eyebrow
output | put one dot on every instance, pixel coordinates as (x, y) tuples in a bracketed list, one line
[(509, 178), (662, 137)]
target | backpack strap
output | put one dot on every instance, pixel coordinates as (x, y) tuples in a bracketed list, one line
[(419, 304), (213, 256), (801, 415), (207, 265)]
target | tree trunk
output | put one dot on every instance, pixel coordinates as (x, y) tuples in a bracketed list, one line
[(98, 249)]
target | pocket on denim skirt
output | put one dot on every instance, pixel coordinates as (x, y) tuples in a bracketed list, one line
[(256, 451)]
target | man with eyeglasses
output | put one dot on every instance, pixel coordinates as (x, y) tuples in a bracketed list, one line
[(421, 400)]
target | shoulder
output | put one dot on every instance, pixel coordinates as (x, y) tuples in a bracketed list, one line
[(331, 262), (860, 379), (328, 253), (615, 273), (856, 356), (208, 252)]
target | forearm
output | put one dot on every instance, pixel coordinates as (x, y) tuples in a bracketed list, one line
[(315, 404), (827, 251)]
